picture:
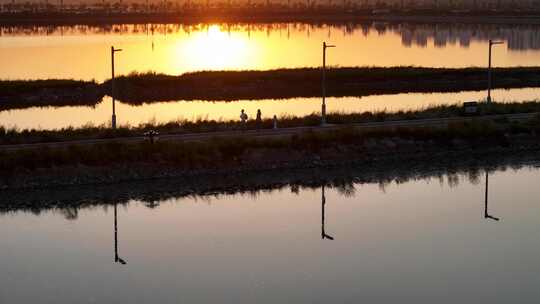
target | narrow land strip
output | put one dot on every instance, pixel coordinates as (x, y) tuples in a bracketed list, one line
[(275, 133), (136, 88)]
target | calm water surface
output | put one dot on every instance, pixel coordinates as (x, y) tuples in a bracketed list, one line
[(53, 118), (83, 52), (417, 241)]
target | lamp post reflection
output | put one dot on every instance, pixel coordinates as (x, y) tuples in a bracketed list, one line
[(486, 214), (323, 203), (117, 259)]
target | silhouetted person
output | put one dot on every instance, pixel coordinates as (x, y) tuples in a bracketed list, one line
[(243, 119), (258, 119)]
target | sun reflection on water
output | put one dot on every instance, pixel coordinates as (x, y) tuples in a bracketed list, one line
[(215, 49)]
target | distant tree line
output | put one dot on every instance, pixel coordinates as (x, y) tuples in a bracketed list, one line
[(165, 6)]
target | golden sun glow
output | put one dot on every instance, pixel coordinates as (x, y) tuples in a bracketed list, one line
[(215, 49)]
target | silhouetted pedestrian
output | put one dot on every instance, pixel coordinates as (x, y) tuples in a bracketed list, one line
[(258, 120), (243, 119)]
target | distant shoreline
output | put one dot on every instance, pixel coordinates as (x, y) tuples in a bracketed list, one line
[(245, 16)]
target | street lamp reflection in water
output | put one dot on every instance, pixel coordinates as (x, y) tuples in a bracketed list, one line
[(117, 259), (486, 214), (323, 205)]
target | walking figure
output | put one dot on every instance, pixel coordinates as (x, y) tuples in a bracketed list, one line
[(275, 122), (258, 120), (243, 119)]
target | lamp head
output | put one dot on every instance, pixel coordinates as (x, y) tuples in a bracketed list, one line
[(327, 45), (119, 260)]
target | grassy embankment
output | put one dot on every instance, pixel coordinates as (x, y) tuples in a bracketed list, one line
[(15, 136), (137, 88), (346, 143), (15, 94)]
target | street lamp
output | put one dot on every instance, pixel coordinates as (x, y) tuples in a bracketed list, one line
[(323, 107), (113, 120), (491, 43)]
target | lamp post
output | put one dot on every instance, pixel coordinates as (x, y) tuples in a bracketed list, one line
[(323, 107), (113, 119), (491, 43)]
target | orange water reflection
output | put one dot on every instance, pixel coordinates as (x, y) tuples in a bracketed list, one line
[(215, 49), (83, 52)]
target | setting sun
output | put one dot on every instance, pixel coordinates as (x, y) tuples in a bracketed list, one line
[(215, 49)]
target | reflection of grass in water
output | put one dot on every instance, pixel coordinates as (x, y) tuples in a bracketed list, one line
[(156, 192)]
